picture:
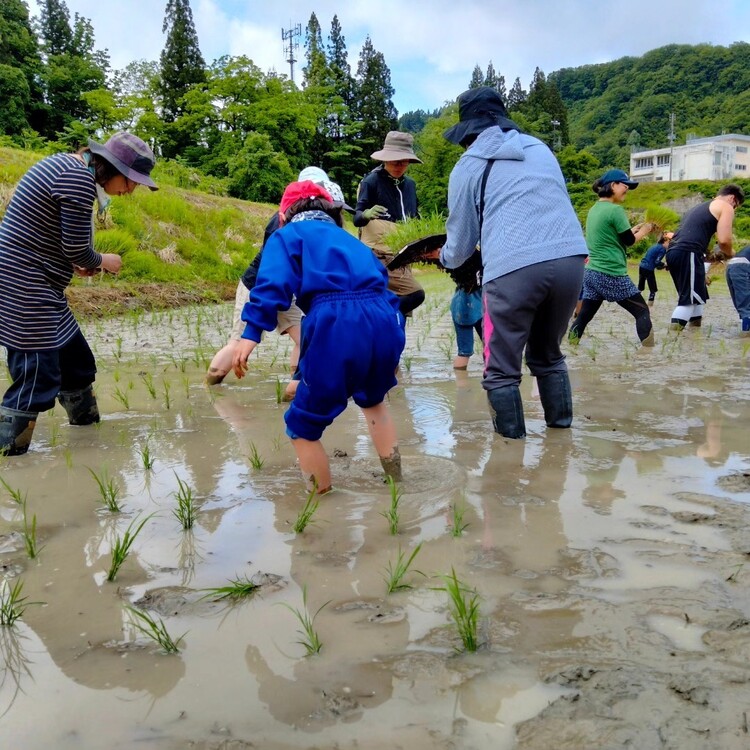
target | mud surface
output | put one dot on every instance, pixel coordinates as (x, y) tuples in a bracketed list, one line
[(612, 560)]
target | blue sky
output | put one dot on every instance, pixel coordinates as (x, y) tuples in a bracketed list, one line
[(430, 46)]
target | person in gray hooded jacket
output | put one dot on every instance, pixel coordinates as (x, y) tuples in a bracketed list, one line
[(508, 195)]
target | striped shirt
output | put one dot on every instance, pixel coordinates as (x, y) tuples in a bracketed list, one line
[(46, 230)]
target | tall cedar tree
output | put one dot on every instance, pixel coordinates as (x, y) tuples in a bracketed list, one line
[(477, 78), (375, 112), (516, 95), (315, 56), (54, 24), (181, 62), (20, 66)]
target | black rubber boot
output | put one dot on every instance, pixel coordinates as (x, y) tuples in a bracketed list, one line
[(80, 406), (507, 411), (16, 429), (557, 400)]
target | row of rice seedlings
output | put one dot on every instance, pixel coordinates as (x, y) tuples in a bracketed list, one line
[(122, 545), (392, 514), (309, 638), (13, 604), (186, 511), (157, 631)]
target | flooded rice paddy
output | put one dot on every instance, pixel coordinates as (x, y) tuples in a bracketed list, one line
[(611, 561)]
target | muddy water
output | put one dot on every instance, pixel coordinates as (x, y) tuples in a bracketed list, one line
[(611, 559)]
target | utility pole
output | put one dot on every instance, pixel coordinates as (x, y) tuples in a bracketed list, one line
[(289, 35), (556, 142), (671, 138)]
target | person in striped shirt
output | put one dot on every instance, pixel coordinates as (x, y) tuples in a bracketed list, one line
[(46, 236)]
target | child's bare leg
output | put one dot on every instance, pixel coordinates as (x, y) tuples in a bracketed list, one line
[(294, 335), (383, 433), (313, 462), (221, 364)]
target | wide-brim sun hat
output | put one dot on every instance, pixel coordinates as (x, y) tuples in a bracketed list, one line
[(129, 155), (397, 147), (479, 109), (618, 175)]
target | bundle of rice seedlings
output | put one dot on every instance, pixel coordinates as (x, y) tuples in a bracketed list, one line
[(662, 218)]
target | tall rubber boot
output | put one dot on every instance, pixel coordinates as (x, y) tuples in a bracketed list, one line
[(557, 400), (507, 411), (80, 406), (16, 429)]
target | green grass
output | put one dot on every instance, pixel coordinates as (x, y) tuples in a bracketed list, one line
[(122, 545), (237, 589), (304, 517), (464, 609), (395, 572), (309, 638), (109, 490), (145, 624), (392, 515)]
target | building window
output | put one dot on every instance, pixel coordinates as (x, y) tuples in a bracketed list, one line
[(741, 167), (717, 158), (662, 161), (741, 149), (644, 163)]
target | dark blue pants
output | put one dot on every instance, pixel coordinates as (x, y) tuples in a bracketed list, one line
[(38, 376)]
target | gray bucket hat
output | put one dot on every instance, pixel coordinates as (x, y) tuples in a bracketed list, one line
[(397, 146), (129, 155)]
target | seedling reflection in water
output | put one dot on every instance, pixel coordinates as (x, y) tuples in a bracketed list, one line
[(464, 608), (121, 548), (309, 638), (156, 631), (394, 574)]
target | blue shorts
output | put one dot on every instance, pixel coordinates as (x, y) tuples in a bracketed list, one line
[(350, 348)]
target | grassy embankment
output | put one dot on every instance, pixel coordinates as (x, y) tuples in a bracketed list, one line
[(188, 242)]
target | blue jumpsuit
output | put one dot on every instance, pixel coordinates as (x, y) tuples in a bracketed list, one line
[(352, 333)]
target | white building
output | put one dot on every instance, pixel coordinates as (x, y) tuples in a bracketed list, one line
[(720, 157)]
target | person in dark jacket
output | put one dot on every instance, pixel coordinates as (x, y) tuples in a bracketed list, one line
[(46, 236), (386, 196), (651, 261)]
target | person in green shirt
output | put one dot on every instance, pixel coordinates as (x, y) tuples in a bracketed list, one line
[(608, 234)]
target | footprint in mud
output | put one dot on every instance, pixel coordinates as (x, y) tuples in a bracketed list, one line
[(737, 482)]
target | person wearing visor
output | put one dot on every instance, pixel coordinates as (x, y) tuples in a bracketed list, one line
[(386, 196), (608, 235), (46, 236), (508, 195)]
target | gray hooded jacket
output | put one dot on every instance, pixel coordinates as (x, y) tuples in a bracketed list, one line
[(528, 217)]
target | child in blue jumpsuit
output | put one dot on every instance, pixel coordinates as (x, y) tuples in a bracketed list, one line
[(352, 333)]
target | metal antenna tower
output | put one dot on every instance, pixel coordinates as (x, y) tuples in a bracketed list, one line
[(289, 35)]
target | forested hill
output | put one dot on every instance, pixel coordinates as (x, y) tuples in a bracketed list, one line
[(613, 106)]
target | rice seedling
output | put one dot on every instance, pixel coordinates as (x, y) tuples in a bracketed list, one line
[(145, 624), (237, 588), (12, 603), (407, 360), (279, 391), (68, 458), (395, 572), (255, 459), (122, 397), (122, 545), (309, 638), (148, 381), (15, 494), (167, 401), (147, 458), (185, 512), (464, 609), (276, 442), (109, 490), (54, 435), (392, 514), (457, 520), (29, 534), (308, 510)]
